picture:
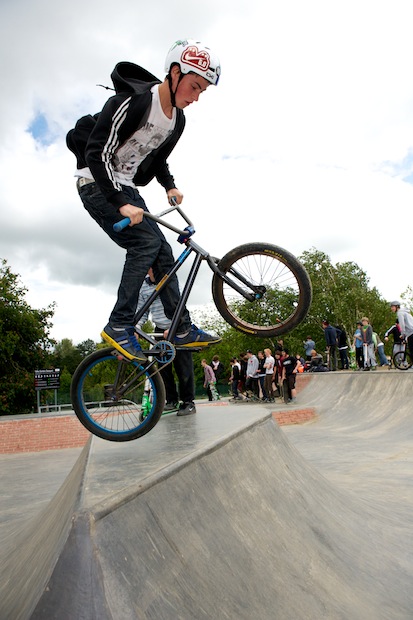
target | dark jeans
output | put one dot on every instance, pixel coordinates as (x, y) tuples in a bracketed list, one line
[(234, 386), (344, 358), (359, 357), (252, 385), (184, 369), (261, 381), (145, 247), (332, 357), (410, 345)]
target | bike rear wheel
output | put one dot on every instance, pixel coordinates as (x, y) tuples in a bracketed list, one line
[(107, 393), (277, 284), (402, 360)]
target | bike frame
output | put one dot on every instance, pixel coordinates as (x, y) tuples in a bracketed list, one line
[(200, 255)]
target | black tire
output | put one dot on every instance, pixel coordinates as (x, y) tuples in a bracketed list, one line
[(107, 392), (402, 360), (286, 296)]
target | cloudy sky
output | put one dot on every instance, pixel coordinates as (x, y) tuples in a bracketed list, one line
[(306, 142)]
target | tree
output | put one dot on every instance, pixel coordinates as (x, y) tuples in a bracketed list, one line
[(66, 356), (25, 344), (86, 347), (407, 298), (341, 294)]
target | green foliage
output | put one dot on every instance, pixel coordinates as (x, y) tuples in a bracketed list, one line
[(407, 298), (232, 345), (275, 303), (341, 294), (25, 344), (67, 356)]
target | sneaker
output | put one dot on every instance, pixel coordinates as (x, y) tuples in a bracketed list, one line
[(124, 341), (186, 409), (171, 407), (196, 338)]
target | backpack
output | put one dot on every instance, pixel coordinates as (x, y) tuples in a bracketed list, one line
[(77, 138)]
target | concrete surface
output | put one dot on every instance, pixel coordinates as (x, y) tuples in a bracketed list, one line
[(225, 515)]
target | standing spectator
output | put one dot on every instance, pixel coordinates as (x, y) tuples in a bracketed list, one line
[(278, 372), (342, 347), (209, 381), (251, 383), (405, 323), (269, 371), (379, 347), (309, 345), (394, 331), (289, 373), (358, 345), (234, 379), (182, 363), (330, 335), (218, 368), (261, 374), (243, 360), (280, 345), (368, 344)]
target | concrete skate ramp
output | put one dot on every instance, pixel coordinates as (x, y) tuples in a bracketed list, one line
[(362, 439), (240, 526)]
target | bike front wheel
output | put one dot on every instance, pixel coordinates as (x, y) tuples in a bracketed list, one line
[(108, 391), (402, 360), (266, 291)]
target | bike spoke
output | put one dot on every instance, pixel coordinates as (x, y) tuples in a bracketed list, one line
[(108, 396)]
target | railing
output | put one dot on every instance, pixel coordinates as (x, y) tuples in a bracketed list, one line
[(68, 407)]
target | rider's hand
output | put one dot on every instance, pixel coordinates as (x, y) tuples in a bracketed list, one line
[(135, 214), (176, 194)]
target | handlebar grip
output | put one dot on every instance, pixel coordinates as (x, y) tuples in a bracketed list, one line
[(119, 226)]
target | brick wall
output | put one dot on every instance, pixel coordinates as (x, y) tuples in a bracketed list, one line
[(294, 416), (37, 434), (34, 434)]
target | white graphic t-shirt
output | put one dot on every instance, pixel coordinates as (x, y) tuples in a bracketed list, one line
[(148, 138)]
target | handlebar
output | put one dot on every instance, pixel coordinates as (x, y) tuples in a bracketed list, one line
[(183, 233), (119, 226)]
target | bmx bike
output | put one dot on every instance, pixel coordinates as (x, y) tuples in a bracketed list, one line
[(402, 359), (258, 288)]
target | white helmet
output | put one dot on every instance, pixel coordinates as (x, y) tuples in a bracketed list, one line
[(194, 57), (395, 303)]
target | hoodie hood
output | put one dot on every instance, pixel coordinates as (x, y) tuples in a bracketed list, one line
[(130, 78)]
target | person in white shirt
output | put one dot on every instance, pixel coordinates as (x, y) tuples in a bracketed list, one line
[(405, 324), (269, 370)]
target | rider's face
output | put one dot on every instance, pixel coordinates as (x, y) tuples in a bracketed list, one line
[(189, 89)]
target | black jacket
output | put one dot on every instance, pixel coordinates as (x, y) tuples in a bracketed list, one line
[(330, 335), (95, 139)]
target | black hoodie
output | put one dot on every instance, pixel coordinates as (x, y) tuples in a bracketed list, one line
[(95, 139)]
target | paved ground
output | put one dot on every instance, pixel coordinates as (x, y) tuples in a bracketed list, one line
[(225, 515)]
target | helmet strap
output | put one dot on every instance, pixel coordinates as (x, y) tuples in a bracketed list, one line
[(171, 92)]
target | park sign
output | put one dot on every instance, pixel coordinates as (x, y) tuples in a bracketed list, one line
[(47, 379)]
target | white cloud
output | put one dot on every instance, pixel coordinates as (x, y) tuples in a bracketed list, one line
[(305, 142)]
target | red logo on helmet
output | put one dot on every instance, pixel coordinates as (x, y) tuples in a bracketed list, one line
[(196, 58)]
